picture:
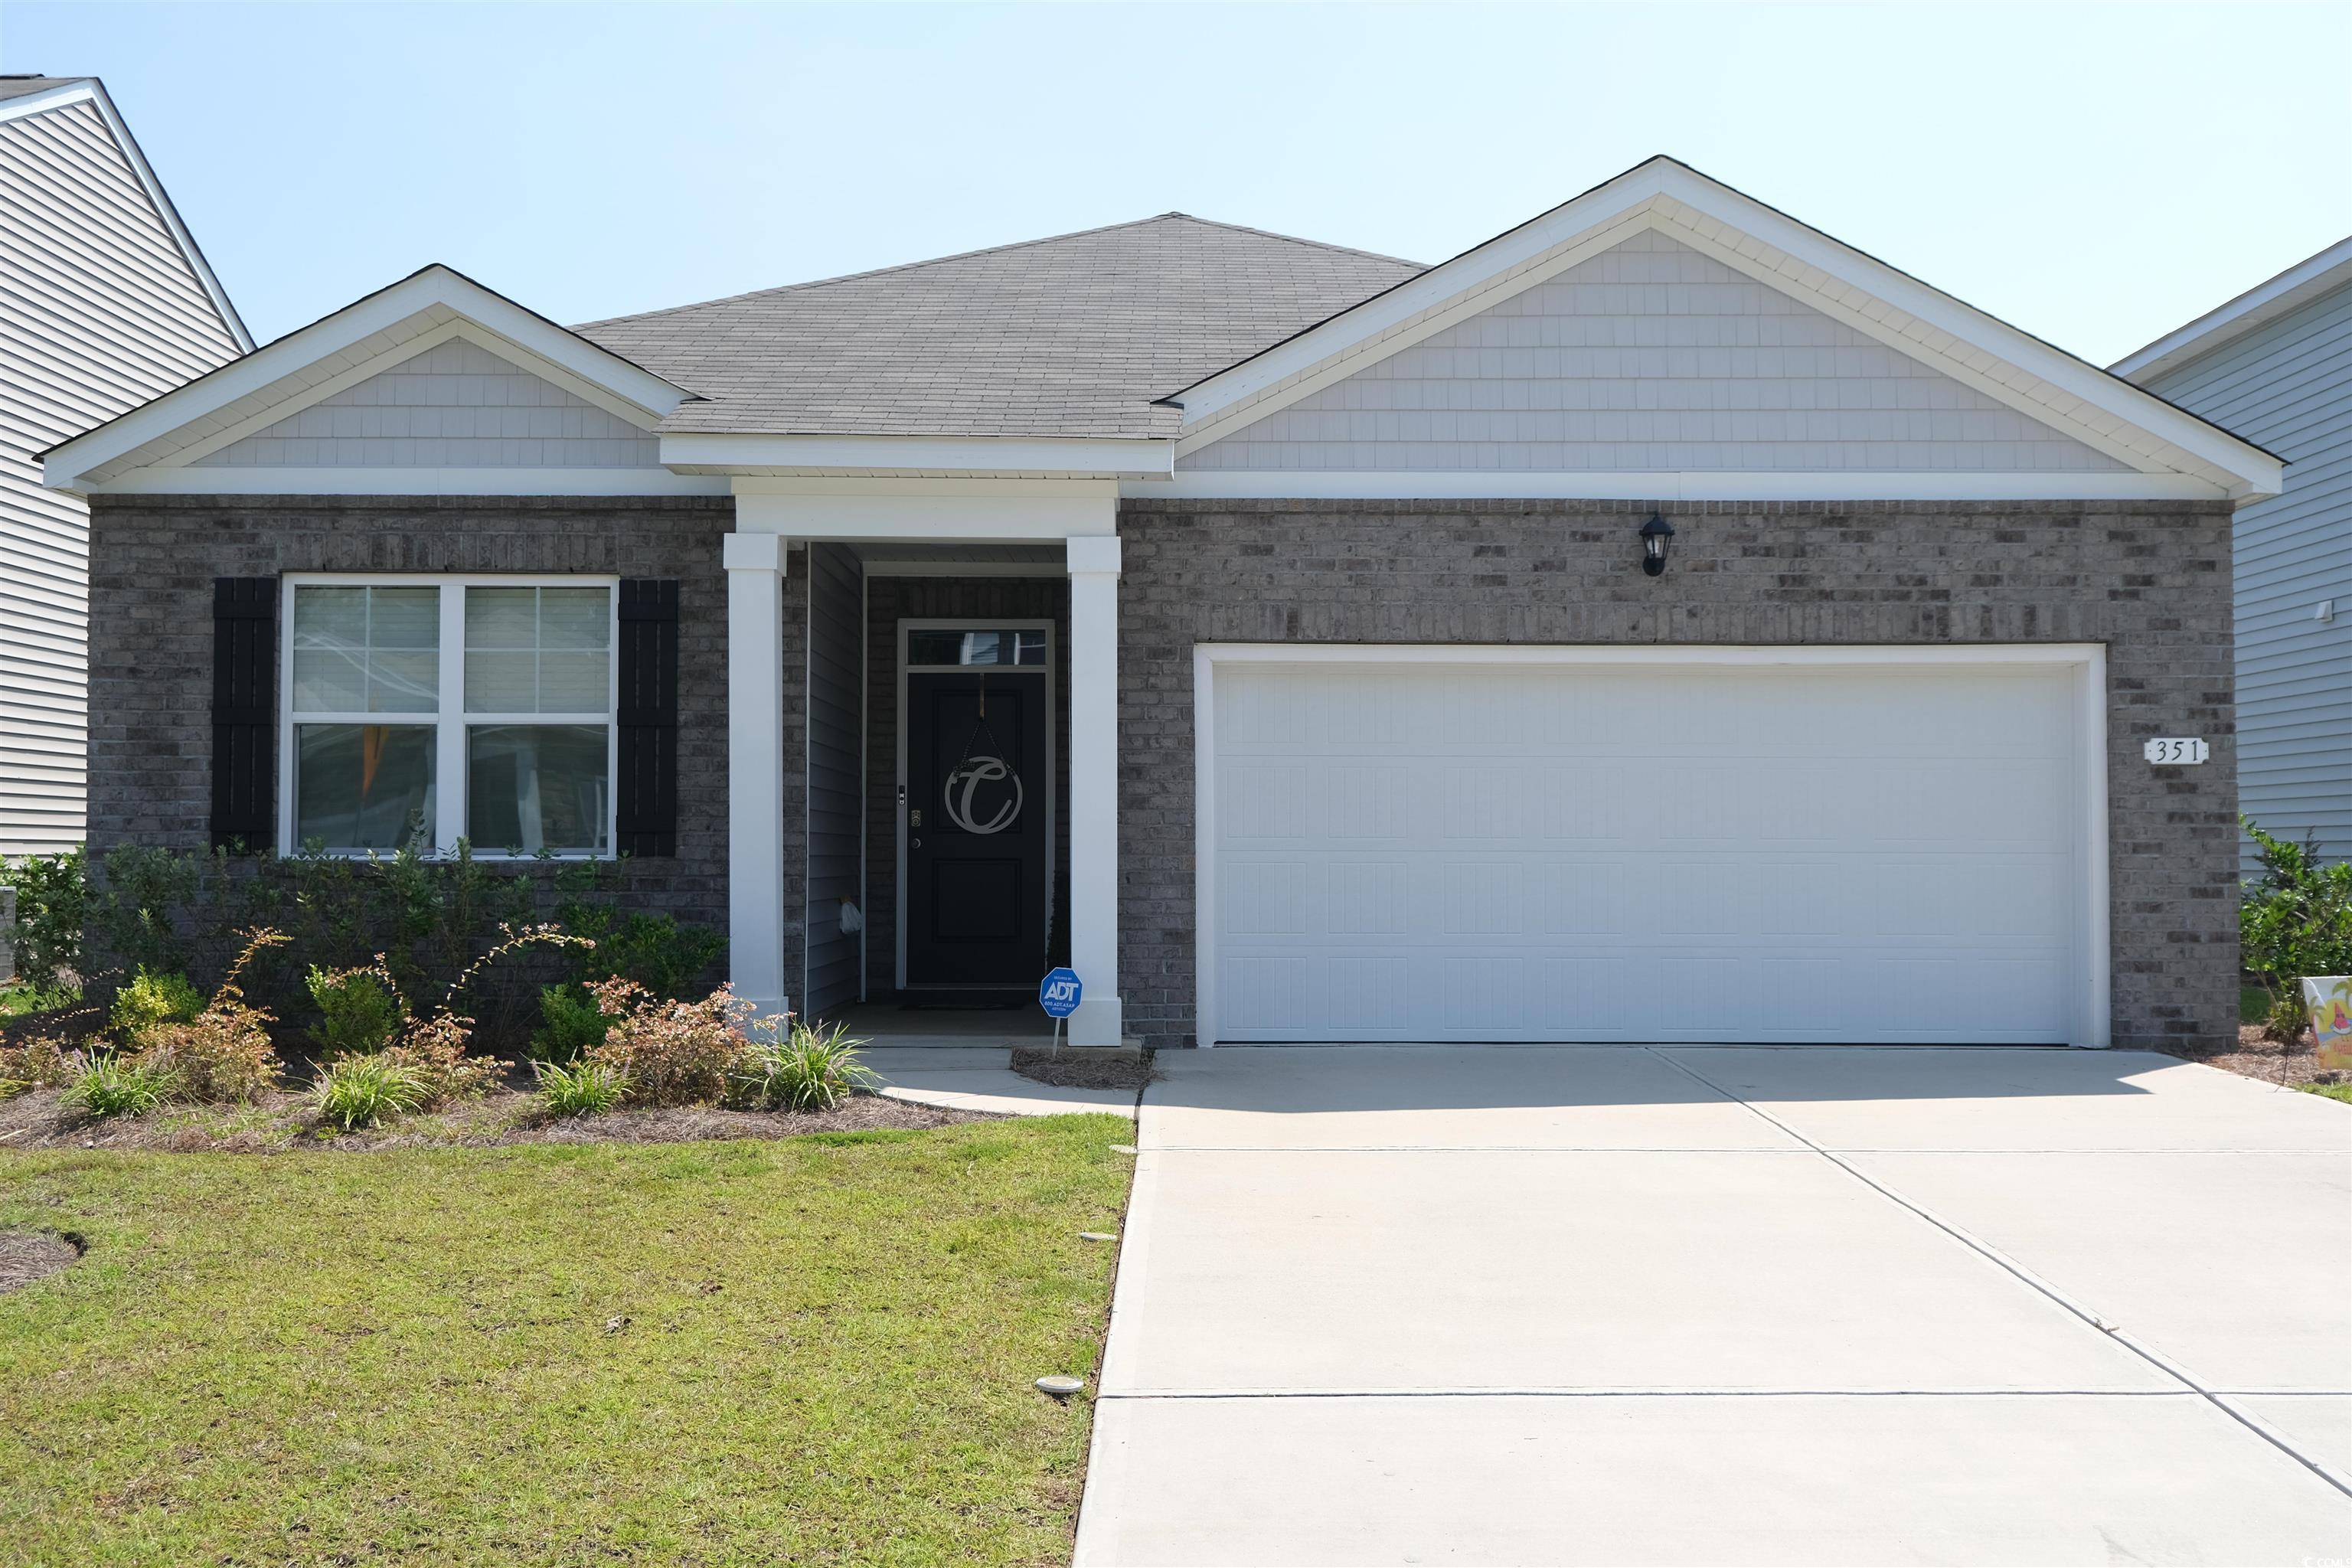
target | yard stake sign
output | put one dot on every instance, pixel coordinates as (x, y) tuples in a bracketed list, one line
[(1059, 994)]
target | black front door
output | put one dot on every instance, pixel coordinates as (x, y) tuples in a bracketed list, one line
[(977, 828)]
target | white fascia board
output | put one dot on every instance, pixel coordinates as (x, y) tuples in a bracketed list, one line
[(2257, 307), (532, 336), (410, 482), (90, 91), (1724, 654), (2074, 397), (1696, 485), (940, 512), (979, 456)]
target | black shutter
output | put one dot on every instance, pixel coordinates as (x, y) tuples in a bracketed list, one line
[(245, 717), (647, 793)]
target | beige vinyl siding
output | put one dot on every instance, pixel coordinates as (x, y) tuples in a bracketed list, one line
[(837, 777), (1649, 356), (100, 312), (2288, 386), (454, 405)]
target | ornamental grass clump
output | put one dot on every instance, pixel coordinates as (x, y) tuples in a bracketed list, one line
[(109, 1083), (671, 1053), (580, 1087), (799, 1068), (363, 1091)]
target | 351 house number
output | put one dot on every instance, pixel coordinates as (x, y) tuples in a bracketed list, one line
[(2176, 751)]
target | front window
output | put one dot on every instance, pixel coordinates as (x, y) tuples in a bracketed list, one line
[(424, 711)]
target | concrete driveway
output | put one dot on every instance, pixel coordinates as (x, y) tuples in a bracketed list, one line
[(1726, 1305)]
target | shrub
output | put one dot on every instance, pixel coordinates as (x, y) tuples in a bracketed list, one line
[(362, 1090), (572, 1023), (580, 1087), (360, 1010), (655, 951), (672, 1053), (111, 1085), (224, 1052), (52, 903), (2295, 920), (434, 1050), (150, 1001), (41, 1062), (799, 1069)]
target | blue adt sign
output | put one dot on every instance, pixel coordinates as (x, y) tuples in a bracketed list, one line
[(1059, 994)]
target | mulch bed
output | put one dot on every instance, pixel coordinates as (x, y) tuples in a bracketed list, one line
[(2259, 1057), (28, 1255), (284, 1121), (1084, 1070)]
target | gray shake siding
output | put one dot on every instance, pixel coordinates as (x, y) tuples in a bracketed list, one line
[(2148, 579), (154, 559)]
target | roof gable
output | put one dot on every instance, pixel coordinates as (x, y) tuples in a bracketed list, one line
[(1649, 356), (2139, 433), (2256, 308), (308, 367)]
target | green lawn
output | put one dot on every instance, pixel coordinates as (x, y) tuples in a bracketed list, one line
[(411, 1357), (2342, 1092)]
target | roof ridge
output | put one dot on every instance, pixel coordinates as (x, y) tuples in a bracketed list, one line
[(987, 250)]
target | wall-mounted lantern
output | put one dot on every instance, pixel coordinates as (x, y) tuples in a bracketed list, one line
[(1656, 536)]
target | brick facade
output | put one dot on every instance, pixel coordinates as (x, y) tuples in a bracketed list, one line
[(2150, 580), (152, 559)]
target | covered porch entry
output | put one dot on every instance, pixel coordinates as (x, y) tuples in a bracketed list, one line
[(922, 760)]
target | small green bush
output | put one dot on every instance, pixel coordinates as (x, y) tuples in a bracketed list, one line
[(799, 1069), (359, 1012), (111, 1085), (363, 1091), (580, 1087), (150, 1000), (573, 1024), (2295, 920), (672, 1053), (52, 905), (656, 951)]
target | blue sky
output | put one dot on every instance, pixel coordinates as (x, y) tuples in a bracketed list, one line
[(2096, 174)]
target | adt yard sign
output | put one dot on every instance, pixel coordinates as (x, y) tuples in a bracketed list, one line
[(1059, 993)]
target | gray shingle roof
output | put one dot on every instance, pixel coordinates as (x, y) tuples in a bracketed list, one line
[(1073, 336)]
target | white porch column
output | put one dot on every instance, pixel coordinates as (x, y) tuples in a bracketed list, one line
[(1094, 787), (755, 769)]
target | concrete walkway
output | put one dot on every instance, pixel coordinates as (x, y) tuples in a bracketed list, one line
[(1715, 1305), (980, 1078)]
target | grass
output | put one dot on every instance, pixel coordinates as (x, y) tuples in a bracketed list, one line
[(16, 999), (813, 1350), (2342, 1092)]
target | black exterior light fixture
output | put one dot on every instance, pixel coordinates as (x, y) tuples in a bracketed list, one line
[(1656, 536)]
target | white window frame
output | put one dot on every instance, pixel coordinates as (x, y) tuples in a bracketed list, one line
[(450, 721)]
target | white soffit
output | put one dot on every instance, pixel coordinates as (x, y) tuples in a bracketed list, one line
[(364, 339), (2075, 398), (2256, 308), (976, 456)]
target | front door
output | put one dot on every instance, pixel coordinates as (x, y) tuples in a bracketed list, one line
[(978, 825)]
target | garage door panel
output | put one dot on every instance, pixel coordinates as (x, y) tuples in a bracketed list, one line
[(1595, 852)]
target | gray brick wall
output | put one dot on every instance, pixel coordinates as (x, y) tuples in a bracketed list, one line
[(2150, 580), (152, 559)]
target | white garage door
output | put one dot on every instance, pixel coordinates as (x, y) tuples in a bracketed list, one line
[(1582, 851)]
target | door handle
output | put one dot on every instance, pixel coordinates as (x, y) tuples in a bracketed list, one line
[(915, 818)]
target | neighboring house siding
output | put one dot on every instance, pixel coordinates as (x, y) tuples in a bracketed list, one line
[(836, 674), (154, 558), (455, 406), (2146, 579), (2288, 386), (1649, 356), (100, 312)]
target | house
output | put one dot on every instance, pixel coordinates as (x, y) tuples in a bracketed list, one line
[(1660, 622), (2275, 365), (106, 302)]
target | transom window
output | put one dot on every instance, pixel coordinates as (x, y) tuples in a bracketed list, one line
[(955, 645), (422, 710)]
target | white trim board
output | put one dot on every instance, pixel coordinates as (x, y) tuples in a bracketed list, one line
[(412, 482), (2093, 1024), (1706, 485), (284, 375), (89, 89), (2017, 369), (1045, 457), (2256, 308)]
